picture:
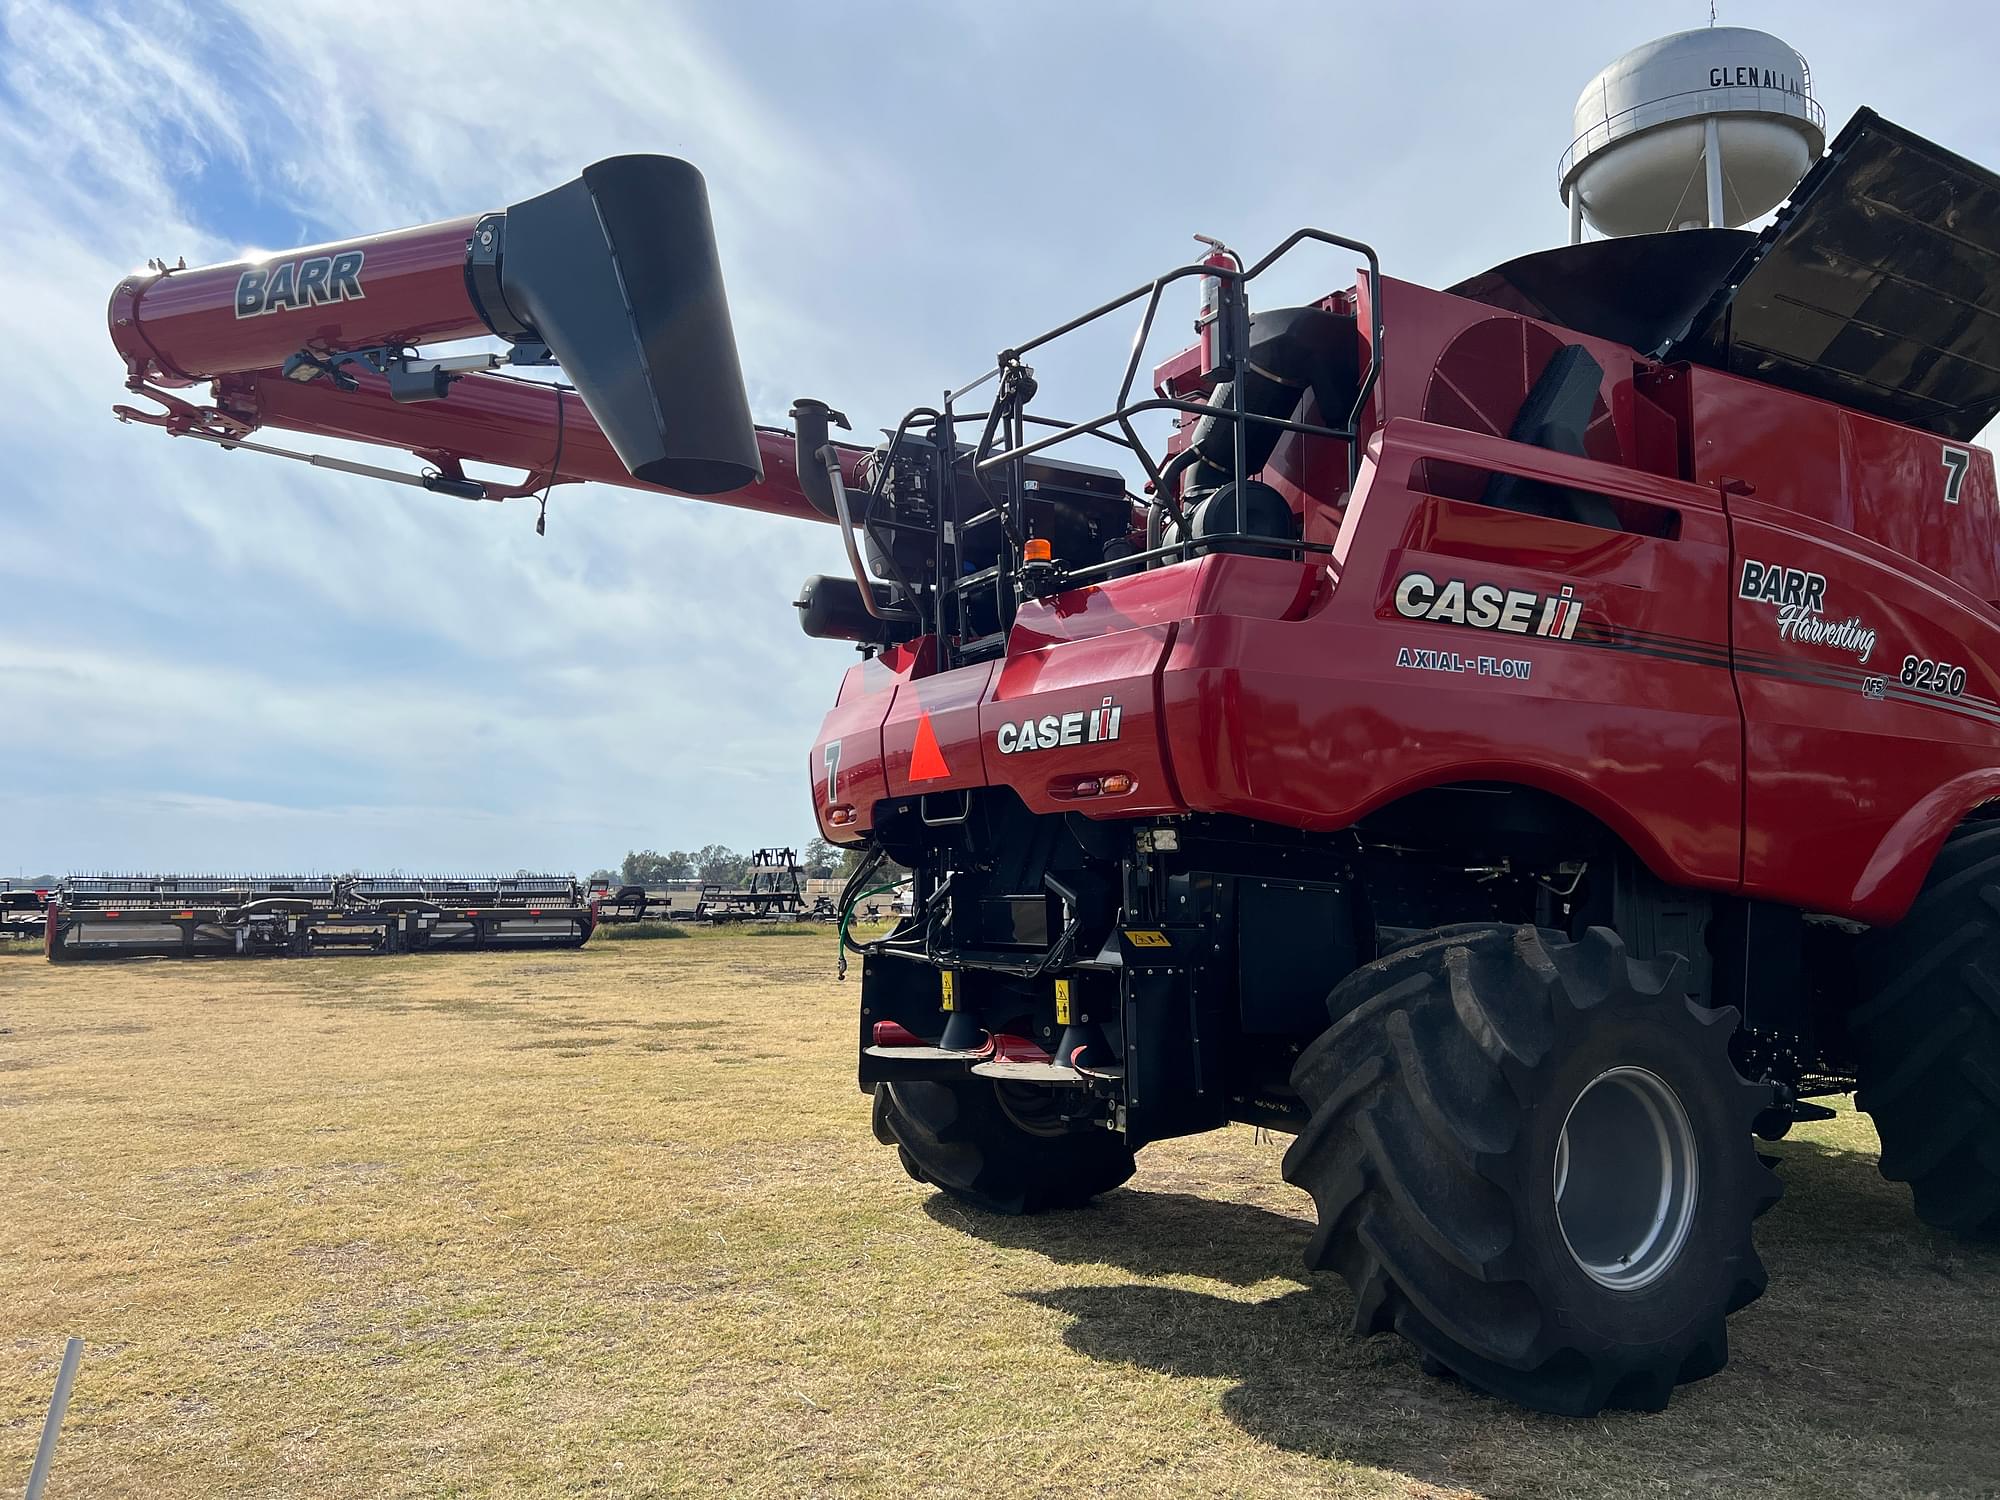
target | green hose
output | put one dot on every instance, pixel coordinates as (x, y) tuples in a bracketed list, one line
[(847, 916)]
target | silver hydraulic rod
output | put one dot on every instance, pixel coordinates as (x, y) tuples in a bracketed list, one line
[(829, 456), (317, 460)]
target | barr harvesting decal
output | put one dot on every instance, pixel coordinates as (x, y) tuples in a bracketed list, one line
[(1488, 606), (1799, 597)]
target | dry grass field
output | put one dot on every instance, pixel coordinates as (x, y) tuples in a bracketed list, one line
[(612, 1223)]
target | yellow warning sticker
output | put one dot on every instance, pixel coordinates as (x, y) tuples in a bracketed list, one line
[(1147, 939), (1062, 1002), (944, 989)]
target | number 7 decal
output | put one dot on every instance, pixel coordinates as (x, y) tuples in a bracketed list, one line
[(1956, 462)]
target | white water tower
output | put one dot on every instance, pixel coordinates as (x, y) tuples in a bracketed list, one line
[(1702, 128)]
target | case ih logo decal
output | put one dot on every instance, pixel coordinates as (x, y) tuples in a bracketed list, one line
[(312, 282), (1052, 730), (1487, 606), (1799, 597)]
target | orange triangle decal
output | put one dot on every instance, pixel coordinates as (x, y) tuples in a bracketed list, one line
[(926, 760)]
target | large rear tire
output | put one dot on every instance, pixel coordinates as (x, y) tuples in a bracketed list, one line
[(1927, 1038), (1005, 1152), (1532, 1159)]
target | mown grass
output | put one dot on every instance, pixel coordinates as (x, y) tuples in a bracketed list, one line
[(612, 1222), (620, 932), (627, 932)]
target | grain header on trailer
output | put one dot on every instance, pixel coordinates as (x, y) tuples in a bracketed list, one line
[(300, 916), (1521, 738)]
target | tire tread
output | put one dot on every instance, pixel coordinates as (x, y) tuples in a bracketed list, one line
[(1418, 1092), (1927, 1038)]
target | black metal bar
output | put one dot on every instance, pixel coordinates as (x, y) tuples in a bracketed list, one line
[(1160, 403), (1153, 286), (1006, 420), (867, 516), (945, 442), (1264, 544), (1152, 291), (1375, 356), (974, 385), (1005, 597), (1041, 421), (1139, 337)]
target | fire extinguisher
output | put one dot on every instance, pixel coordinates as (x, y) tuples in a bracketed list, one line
[(1215, 290)]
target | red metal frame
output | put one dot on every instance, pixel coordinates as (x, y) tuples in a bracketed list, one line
[(1725, 757), (492, 419), (1728, 754), (181, 327)]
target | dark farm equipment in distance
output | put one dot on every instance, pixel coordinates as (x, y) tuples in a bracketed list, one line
[(23, 912), (621, 904), (774, 891), (205, 916), (1522, 738)]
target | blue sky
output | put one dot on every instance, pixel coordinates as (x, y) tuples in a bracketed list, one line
[(215, 661)]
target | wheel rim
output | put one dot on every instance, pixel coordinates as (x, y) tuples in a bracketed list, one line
[(1626, 1178)]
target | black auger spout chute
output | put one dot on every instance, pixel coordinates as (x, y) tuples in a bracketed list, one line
[(617, 272)]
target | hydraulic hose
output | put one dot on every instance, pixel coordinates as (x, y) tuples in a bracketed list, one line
[(847, 916)]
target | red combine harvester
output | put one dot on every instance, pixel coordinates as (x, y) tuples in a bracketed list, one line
[(1589, 675)]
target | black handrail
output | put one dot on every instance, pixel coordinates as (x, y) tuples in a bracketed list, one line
[(1004, 446)]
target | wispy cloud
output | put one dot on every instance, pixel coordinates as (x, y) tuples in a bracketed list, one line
[(233, 661), (197, 630)]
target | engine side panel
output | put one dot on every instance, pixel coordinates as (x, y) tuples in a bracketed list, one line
[(1599, 672)]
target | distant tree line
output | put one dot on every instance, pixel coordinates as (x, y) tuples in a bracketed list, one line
[(717, 864)]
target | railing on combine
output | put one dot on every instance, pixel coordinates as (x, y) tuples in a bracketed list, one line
[(228, 916), (1004, 446)]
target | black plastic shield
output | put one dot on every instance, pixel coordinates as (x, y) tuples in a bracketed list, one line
[(617, 272), (1878, 286), (1640, 290)]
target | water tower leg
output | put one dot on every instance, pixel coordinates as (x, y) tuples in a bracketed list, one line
[(1713, 154), (1575, 214)]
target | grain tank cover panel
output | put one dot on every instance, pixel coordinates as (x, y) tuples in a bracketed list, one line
[(1878, 286), (1639, 290)]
